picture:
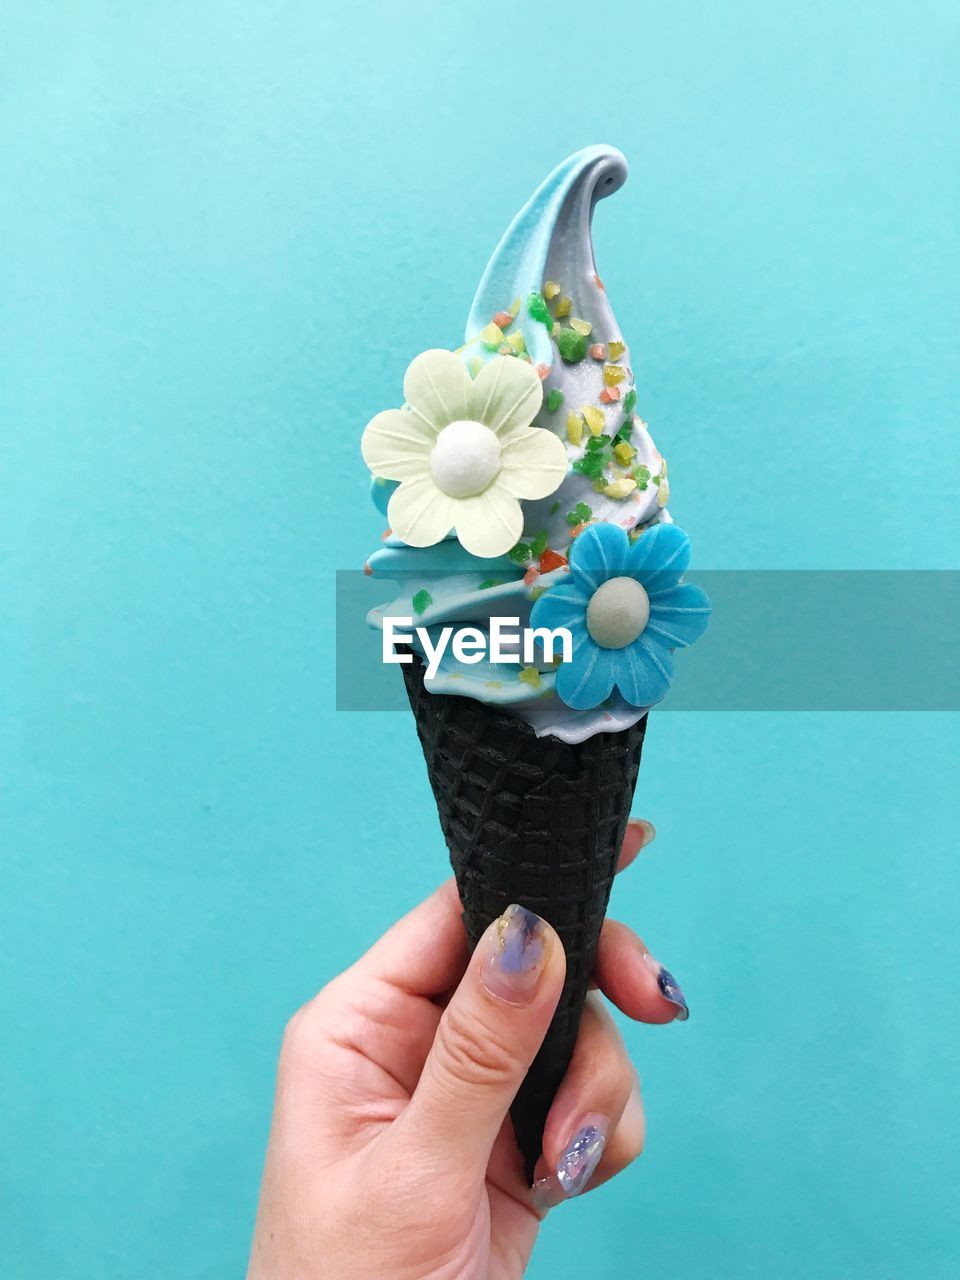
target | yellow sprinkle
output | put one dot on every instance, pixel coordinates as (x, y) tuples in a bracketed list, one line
[(563, 306), (594, 419), (476, 364), (616, 348), (663, 466), (550, 290), (663, 492), (515, 307), (580, 326), (530, 676), (516, 342), (574, 428), (612, 374), (493, 684), (624, 453), (620, 488), (599, 485), (491, 336)]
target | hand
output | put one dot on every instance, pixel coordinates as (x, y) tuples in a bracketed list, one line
[(391, 1154)]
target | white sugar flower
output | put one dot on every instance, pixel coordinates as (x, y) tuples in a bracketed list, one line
[(464, 452)]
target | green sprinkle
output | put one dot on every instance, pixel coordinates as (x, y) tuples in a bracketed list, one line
[(595, 443), (422, 600), (520, 554), (591, 464), (539, 545), (571, 345), (623, 435), (537, 308), (580, 514), (536, 592), (630, 400), (555, 507), (554, 399)]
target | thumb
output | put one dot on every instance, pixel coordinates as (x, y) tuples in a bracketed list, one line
[(486, 1039)]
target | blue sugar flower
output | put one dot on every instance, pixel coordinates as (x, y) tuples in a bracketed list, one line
[(626, 611)]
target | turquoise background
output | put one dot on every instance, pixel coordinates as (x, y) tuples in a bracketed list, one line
[(225, 230)]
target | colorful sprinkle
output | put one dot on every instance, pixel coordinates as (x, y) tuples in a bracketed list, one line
[(580, 514), (598, 282), (574, 428), (542, 371), (369, 572), (554, 507), (516, 342), (550, 290), (530, 676), (422, 601), (530, 576), (571, 345), (554, 399), (552, 560), (563, 306), (598, 351), (609, 395), (536, 592), (491, 337), (503, 319), (539, 545), (537, 308), (620, 488), (616, 348), (663, 491), (515, 308), (613, 374), (490, 582), (519, 554), (630, 400), (594, 419), (624, 453), (581, 326)]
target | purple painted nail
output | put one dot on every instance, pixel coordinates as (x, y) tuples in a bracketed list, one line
[(582, 1154), (670, 988), (515, 961)]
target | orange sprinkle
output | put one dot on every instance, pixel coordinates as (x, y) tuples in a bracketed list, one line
[(387, 533), (598, 351), (578, 529), (503, 319), (598, 282), (609, 395), (551, 560), (542, 371), (366, 569), (530, 577)]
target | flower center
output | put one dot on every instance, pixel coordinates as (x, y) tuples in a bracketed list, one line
[(617, 613), (465, 459)]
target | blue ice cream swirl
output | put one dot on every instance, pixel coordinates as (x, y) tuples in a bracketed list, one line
[(541, 299)]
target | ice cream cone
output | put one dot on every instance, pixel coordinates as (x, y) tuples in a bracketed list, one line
[(535, 821)]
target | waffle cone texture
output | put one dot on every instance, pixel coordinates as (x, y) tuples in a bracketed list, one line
[(535, 821)]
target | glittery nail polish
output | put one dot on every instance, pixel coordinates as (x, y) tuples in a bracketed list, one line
[(581, 1156), (670, 988), (516, 956)]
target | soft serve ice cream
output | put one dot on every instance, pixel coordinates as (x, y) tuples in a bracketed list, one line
[(520, 482)]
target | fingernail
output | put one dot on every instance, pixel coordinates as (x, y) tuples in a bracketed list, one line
[(644, 829), (516, 956), (581, 1155), (670, 988)]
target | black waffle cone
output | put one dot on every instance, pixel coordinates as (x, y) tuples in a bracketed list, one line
[(535, 821)]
